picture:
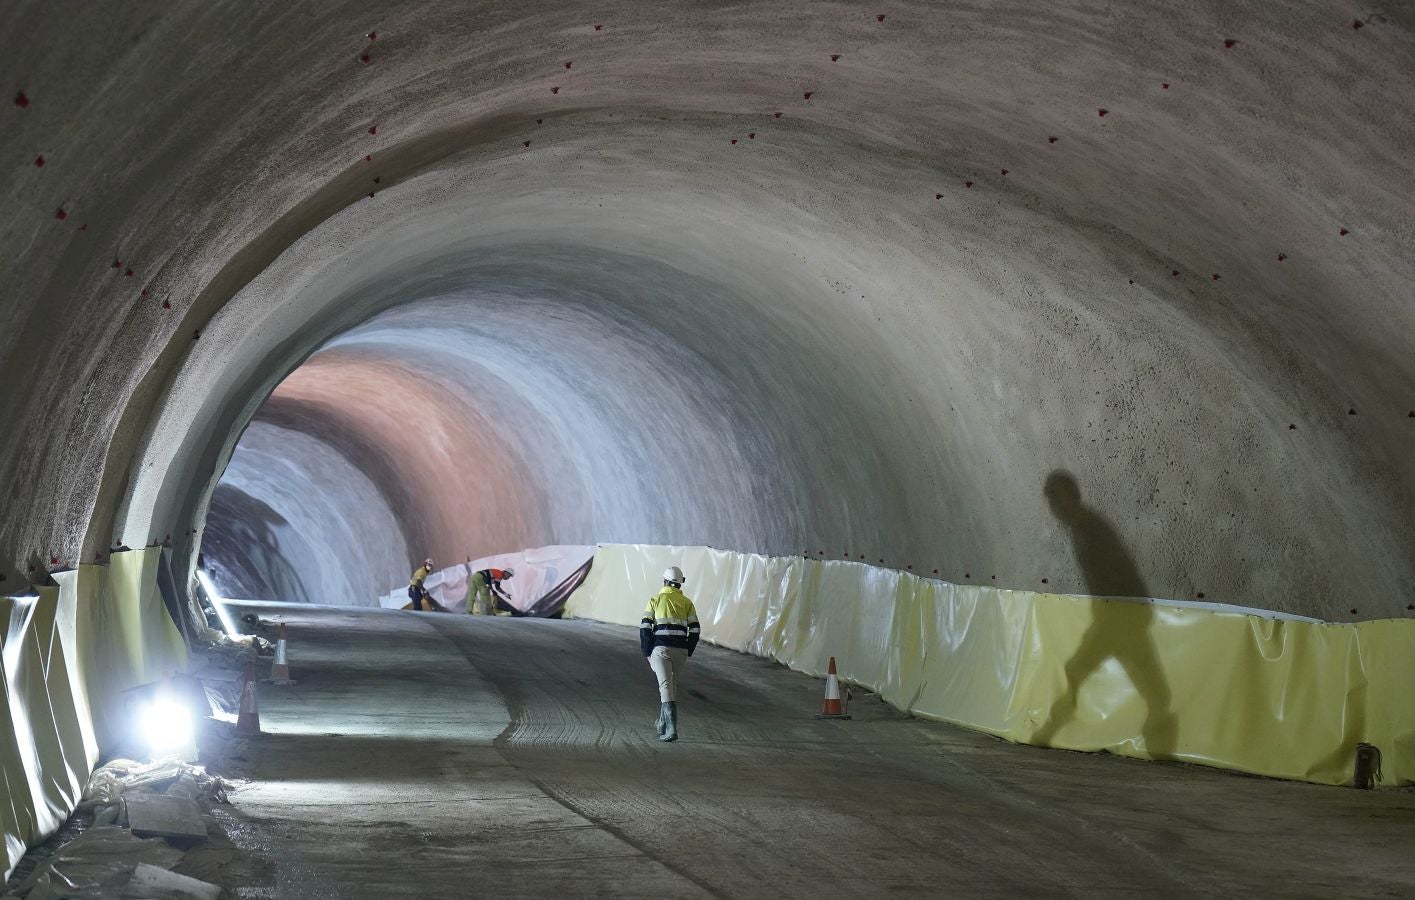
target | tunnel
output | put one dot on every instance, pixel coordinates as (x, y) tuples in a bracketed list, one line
[(990, 300)]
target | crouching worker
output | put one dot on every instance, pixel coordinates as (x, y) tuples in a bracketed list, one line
[(486, 589), (668, 635), (416, 592)]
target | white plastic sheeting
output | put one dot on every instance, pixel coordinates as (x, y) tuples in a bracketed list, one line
[(537, 571)]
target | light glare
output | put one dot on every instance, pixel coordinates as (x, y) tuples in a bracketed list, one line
[(217, 603), (166, 725)]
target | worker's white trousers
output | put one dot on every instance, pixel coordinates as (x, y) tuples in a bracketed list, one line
[(666, 663)]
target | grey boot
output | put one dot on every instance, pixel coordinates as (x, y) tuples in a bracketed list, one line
[(662, 724), (670, 732)]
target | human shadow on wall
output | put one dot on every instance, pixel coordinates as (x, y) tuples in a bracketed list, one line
[(1119, 630)]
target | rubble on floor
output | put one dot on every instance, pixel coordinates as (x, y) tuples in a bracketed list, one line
[(158, 829)]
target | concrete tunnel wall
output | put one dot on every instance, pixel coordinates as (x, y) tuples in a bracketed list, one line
[(1164, 248)]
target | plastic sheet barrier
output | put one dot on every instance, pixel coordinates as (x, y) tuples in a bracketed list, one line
[(1278, 696), (69, 654), (538, 573)]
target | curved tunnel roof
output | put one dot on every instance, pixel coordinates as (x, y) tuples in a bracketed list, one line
[(780, 277)]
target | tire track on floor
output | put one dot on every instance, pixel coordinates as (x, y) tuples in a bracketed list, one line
[(518, 707)]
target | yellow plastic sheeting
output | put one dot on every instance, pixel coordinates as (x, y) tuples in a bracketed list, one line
[(44, 757), (1289, 699), (125, 635), (69, 654), (71, 599)]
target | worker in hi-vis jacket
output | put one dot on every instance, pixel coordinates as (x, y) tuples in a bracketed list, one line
[(416, 592), (668, 635), (486, 588)]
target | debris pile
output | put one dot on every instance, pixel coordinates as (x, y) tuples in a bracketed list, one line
[(146, 816), (139, 821)]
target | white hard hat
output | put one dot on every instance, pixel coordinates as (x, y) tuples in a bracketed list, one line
[(507, 573), (428, 562), (674, 574)]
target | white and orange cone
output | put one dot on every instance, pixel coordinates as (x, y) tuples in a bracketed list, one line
[(248, 722), (834, 708), (280, 670)]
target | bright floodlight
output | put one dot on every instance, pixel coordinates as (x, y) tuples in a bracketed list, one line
[(166, 725), (217, 604)]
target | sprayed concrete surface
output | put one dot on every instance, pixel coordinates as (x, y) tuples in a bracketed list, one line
[(439, 756), (1164, 245)]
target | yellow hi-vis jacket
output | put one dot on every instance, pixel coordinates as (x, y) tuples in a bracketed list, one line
[(669, 621), (419, 575)]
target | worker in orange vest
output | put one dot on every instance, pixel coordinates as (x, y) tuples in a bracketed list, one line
[(486, 589)]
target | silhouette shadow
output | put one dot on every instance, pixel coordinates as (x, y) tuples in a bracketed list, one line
[(1119, 630)]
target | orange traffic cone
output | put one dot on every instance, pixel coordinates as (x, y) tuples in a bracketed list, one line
[(248, 721), (834, 708), (280, 670)]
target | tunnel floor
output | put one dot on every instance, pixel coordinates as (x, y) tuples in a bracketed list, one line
[(439, 756)]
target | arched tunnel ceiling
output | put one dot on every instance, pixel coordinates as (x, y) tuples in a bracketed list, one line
[(936, 279)]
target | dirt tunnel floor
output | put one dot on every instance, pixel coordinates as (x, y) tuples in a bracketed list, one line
[(428, 755)]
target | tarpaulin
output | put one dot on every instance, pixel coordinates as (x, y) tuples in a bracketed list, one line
[(553, 601), (1223, 686), (69, 653), (539, 572)]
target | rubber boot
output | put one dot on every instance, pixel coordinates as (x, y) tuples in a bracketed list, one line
[(662, 724), (670, 732)]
